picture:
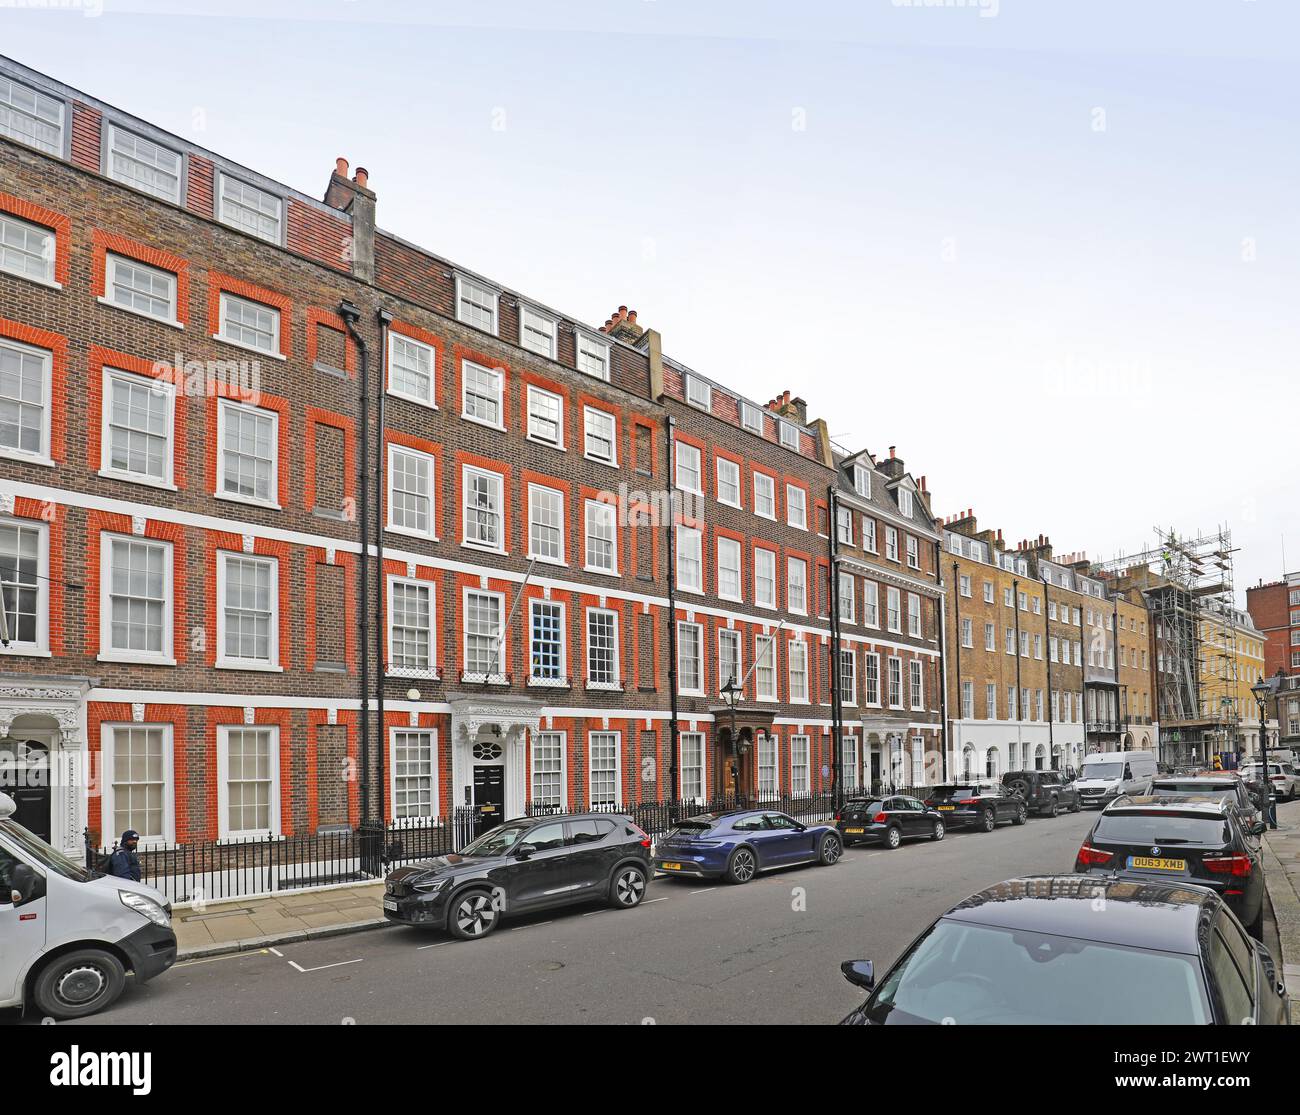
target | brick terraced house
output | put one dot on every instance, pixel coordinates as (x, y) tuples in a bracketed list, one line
[(301, 523)]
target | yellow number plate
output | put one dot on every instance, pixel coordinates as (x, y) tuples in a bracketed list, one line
[(946, 808), (670, 866), (854, 831), (1150, 864)]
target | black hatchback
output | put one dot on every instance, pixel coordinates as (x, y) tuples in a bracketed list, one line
[(1185, 839), (529, 864), (888, 821)]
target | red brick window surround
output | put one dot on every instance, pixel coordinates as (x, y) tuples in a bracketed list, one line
[(59, 224), (315, 417), (325, 319), (102, 358), (414, 333), (430, 449), (103, 243), (212, 464), (219, 542), (57, 418), (219, 283), (54, 517)]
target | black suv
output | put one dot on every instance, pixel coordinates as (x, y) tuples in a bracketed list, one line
[(533, 863), (1045, 792), (1225, 787), (1187, 839), (978, 805)]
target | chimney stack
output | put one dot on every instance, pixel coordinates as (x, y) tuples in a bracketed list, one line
[(622, 324), (793, 408), (354, 197)]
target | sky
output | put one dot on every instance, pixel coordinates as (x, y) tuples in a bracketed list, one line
[(1048, 249)]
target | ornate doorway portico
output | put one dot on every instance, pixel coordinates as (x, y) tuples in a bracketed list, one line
[(489, 732), (43, 754)]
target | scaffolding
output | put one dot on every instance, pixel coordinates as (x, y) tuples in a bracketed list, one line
[(1186, 584)]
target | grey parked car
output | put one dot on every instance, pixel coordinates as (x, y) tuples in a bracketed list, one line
[(1046, 792)]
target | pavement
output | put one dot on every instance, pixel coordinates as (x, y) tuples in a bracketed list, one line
[(216, 928), (1282, 875), (692, 952)]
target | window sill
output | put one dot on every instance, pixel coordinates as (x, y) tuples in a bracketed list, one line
[(228, 498), (258, 667), (26, 458), (602, 572), (330, 370), (549, 683), (485, 424), (484, 679), (479, 548), (49, 284), (407, 532), (131, 478), (403, 672), (606, 687), (15, 651), (134, 659), (249, 348), (103, 301), (558, 446), (555, 563), (599, 461), (412, 399)]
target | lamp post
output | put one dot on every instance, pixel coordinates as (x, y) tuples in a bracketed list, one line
[(1265, 690), (731, 693)]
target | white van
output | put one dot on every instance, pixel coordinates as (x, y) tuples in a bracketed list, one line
[(68, 936), (1107, 774)]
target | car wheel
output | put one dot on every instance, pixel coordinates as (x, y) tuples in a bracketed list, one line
[(937, 833), (988, 822), (627, 888), (1075, 806), (741, 866), (1054, 809), (830, 850), (893, 837), (473, 915), (79, 983)]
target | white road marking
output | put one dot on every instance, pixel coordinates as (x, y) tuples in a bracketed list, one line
[(276, 952), (593, 913), (706, 890), (322, 967), (535, 925), (648, 901), (439, 945), (226, 956)]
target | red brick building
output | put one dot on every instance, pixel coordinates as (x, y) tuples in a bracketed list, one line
[(1275, 610), (300, 522)]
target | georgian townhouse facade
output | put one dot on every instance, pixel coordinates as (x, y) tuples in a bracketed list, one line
[(889, 601), (301, 523)]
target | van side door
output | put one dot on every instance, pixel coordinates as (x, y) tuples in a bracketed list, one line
[(22, 926)]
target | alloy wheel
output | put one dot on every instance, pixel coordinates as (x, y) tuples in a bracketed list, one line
[(830, 850), (629, 887), (742, 866), (939, 830), (895, 838), (475, 916)]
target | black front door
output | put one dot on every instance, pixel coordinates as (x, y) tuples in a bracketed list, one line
[(33, 811), (25, 777), (489, 797)]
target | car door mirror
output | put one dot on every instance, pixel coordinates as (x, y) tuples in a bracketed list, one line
[(25, 885), (1258, 828), (860, 973), (525, 851)]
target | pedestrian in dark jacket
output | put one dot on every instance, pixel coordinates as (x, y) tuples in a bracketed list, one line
[(124, 863)]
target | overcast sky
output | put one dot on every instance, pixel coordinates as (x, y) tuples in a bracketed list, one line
[(1048, 249)]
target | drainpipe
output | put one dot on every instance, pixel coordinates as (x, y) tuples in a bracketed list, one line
[(1020, 693), (670, 425), (1047, 637), (837, 706), (351, 315), (1115, 642), (381, 595), (956, 622), (943, 662)]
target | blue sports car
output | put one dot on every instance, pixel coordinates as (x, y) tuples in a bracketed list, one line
[(737, 845)]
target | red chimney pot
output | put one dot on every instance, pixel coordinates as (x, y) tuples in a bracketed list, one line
[(363, 176), (341, 167)]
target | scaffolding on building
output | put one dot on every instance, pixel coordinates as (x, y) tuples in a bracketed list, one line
[(1186, 584)]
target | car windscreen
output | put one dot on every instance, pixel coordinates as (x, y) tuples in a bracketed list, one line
[(1167, 787), (947, 793), (1159, 827), (1102, 770), (496, 842), (43, 854), (985, 975), (864, 805)]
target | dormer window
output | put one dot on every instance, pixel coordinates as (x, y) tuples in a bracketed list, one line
[(905, 502), (751, 417), (789, 436), (862, 481), (591, 355), (699, 393), (476, 304)]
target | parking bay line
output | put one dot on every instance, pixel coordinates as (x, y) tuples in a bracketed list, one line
[(322, 967), (225, 956)]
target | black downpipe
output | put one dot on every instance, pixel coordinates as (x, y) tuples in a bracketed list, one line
[(381, 596), (351, 315), (1047, 636), (837, 706), (670, 425), (956, 627), (943, 666), (1020, 693)]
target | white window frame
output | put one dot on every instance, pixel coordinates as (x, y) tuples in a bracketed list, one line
[(869, 534), (431, 399), (849, 691), (110, 149), (699, 392), (46, 357), (733, 635), (602, 511), (916, 684), (222, 179), (914, 615), (800, 768), (107, 652), (689, 539), (616, 667), (111, 261), (894, 610), (694, 632), (797, 697), (891, 543), (678, 480), (224, 661), (691, 740), (905, 502), (871, 604), (156, 386), (765, 665), (533, 552), (894, 672), (466, 286), (498, 642), (563, 680), (800, 521), (762, 742), (496, 374), (862, 481), (434, 805), (788, 433), (38, 96), (589, 414), (759, 601), (751, 418), (735, 547), (590, 356), (791, 563), (224, 832), (224, 406), (432, 465), (871, 680), (41, 646), (391, 669), (47, 254), (500, 484), (541, 393), (108, 756), (844, 526), (224, 299), (562, 738), (771, 494), (617, 738), (913, 552), (537, 331), (734, 469), (847, 595)]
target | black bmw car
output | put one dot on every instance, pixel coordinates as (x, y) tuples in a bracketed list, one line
[(524, 865), (888, 821), (1077, 950), (1187, 839)]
